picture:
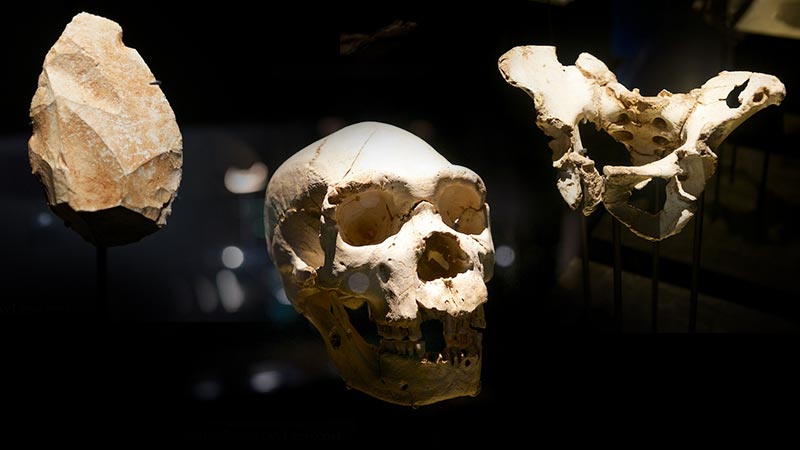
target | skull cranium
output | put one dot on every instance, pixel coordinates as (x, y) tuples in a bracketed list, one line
[(669, 136), (373, 215)]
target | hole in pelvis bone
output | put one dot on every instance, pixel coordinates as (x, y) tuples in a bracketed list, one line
[(602, 148), (660, 123), (733, 98), (650, 198), (622, 119)]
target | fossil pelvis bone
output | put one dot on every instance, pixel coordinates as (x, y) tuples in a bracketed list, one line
[(669, 136)]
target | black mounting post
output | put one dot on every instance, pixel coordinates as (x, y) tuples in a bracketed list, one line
[(587, 282), (101, 308), (696, 245), (615, 237), (656, 255), (762, 195)]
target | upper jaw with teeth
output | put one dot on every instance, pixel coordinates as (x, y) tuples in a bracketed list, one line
[(406, 341), (461, 338)]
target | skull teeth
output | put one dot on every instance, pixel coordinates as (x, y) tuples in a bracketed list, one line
[(457, 357), (405, 348), (458, 340), (413, 333), (461, 340), (419, 349)]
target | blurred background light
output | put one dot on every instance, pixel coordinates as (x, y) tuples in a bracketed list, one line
[(504, 256), (358, 282), (246, 181), (207, 299), (266, 381), (231, 293), (208, 389), (44, 219), (232, 257), (280, 295)]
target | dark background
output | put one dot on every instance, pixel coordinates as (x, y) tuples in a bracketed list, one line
[(257, 83)]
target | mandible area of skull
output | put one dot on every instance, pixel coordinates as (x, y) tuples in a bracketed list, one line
[(373, 217), (669, 136)]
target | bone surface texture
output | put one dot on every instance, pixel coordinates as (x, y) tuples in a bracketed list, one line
[(372, 220), (669, 136)]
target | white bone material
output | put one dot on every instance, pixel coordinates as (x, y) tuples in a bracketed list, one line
[(669, 136), (373, 217)]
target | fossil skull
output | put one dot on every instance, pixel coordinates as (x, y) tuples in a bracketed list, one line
[(669, 136), (372, 215)]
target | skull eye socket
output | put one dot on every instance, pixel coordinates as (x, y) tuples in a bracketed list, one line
[(366, 218), (461, 208)]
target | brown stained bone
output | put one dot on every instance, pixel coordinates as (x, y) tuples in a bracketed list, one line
[(105, 145), (669, 136), (373, 217)]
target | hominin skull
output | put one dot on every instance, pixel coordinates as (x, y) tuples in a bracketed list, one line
[(372, 214)]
